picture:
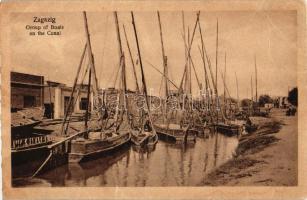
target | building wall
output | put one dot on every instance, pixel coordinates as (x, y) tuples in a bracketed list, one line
[(59, 101), (26, 90), (49, 94)]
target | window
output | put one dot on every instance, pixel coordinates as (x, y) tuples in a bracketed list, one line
[(29, 101), (83, 103)]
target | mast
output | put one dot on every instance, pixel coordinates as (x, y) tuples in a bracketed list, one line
[(88, 104), (203, 56), (256, 81), (131, 59), (207, 83), (64, 128), (189, 66), (237, 89), (216, 56), (216, 53), (187, 75), (93, 70), (123, 90), (252, 92), (189, 47), (185, 49), (225, 85), (121, 53), (141, 64), (164, 57), (91, 56)]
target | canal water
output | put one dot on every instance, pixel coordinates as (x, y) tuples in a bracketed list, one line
[(168, 165)]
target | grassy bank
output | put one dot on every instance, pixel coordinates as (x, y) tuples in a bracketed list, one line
[(261, 155)]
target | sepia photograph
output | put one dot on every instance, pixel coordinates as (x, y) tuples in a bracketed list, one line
[(153, 98)]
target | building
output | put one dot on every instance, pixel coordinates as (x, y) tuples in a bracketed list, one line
[(57, 97), (282, 102), (31, 91), (26, 90)]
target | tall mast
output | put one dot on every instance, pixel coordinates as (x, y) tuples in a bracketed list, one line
[(203, 56), (252, 92), (92, 66), (132, 62), (187, 78), (225, 84), (237, 88), (216, 56), (123, 90), (256, 81), (121, 53), (88, 104), (190, 70), (164, 57), (189, 47), (64, 126), (90, 55), (141, 64), (186, 48), (203, 53), (216, 53)]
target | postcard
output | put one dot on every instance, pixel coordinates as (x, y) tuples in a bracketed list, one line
[(153, 99)]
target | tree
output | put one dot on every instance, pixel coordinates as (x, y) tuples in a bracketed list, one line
[(263, 99), (292, 96)]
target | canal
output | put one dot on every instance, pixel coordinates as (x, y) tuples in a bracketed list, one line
[(168, 165)]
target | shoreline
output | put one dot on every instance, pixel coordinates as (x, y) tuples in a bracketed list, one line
[(266, 157)]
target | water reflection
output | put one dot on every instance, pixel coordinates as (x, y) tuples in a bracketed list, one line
[(167, 165)]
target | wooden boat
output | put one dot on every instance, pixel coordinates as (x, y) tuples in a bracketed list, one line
[(84, 149), (145, 135), (110, 137), (142, 138), (228, 129), (177, 133)]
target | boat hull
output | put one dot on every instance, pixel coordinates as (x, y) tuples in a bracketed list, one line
[(229, 130), (149, 139), (86, 149), (178, 135)]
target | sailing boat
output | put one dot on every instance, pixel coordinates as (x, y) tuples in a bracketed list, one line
[(180, 129), (144, 136), (108, 137), (222, 123)]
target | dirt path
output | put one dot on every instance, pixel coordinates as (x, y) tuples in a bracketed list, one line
[(264, 158)]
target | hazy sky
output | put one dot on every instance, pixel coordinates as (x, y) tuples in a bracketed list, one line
[(271, 36)]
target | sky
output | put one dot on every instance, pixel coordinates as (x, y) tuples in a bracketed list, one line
[(270, 36)]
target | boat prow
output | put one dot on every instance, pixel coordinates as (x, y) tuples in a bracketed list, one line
[(144, 138)]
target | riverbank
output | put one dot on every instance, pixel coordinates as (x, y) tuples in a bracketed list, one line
[(267, 157)]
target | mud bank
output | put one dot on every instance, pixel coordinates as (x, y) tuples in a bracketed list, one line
[(267, 156)]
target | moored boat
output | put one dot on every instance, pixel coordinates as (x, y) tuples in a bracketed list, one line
[(177, 133), (145, 134), (228, 129), (84, 149)]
